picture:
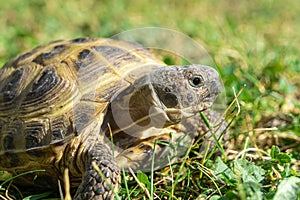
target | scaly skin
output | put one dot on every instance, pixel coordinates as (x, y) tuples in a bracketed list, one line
[(95, 184)]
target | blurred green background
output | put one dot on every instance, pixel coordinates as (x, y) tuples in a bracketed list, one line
[(253, 42)]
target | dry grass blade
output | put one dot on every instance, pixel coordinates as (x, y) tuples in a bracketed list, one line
[(7, 197)]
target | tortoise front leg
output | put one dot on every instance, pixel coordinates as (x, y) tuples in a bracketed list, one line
[(101, 175), (162, 149), (172, 142)]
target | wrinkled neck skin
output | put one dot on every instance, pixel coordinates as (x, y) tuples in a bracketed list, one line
[(141, 109), (161, 98), (137, 115)]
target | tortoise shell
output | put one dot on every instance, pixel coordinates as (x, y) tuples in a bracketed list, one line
[(53, 91)]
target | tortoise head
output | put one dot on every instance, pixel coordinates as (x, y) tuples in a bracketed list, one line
[(164, 96), (183, 91)]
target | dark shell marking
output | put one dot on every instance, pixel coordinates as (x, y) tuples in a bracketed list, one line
[(43, 85), (82, 40), (10, 89), (84, 54), (20, 135), (44, 58)]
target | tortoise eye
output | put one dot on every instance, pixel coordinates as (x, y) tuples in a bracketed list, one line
[(196, 81)]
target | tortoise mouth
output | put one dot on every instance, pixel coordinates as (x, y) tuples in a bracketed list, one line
[(171, 110), (172, 107), (175, 110), (175, 115)]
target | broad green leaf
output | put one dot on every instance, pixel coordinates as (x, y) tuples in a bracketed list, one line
[(143, 178), (284, 158), (288, 189), (221, 170), (275, 151), (249, 171), (252, 190)]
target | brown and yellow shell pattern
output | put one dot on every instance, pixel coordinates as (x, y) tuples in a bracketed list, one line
[(39, 90)]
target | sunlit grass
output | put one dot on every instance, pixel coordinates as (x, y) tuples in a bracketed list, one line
[(254, 44)]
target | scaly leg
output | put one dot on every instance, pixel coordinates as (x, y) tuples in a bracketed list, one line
[(97, 185)]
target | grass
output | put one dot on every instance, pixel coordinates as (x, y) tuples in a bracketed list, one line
[(253, 43)]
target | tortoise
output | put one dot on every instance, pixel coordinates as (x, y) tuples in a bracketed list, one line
[(91, 104)]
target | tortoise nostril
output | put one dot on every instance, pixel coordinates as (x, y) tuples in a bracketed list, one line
[(167, 89)]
